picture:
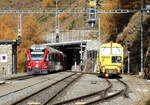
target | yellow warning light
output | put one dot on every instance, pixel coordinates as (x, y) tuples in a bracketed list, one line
[(92, 3), (80, 103), (33, 103)]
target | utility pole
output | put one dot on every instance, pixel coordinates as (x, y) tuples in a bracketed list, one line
[(81, 55), (141, 72), (18, 42), (129, 50), (57, 23)]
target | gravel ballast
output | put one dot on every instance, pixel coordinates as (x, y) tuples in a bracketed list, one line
[(39, 84)]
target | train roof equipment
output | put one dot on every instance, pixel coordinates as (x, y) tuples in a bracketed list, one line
[(43, 47)]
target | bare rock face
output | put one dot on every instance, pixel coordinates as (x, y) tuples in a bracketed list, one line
[(132, 33)]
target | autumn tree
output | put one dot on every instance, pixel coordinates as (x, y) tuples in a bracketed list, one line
[(8, 27), (63, 16), (48, 3)]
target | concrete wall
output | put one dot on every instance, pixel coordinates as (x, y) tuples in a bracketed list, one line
[(90, 55), (6, 59)]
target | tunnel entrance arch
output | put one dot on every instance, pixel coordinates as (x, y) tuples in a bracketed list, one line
[(72, 50), (75, 51)]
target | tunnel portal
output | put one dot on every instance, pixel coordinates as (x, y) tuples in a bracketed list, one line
[(75, 52), (72, 53)]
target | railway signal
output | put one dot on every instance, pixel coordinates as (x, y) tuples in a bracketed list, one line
[(57, 35), (57, 38), (92, 13), (19, 30)]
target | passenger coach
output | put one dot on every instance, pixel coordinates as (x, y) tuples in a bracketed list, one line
[(42, 59)]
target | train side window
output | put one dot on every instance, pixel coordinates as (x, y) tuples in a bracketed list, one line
[(50, 57), (61, 58), (54, 57), (57, 57)]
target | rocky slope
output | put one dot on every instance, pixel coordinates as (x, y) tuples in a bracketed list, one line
[(132, 33)]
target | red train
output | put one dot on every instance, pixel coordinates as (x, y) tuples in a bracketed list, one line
[(42, 59)]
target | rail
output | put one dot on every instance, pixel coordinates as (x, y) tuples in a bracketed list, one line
[(41, 93), (103, 94)]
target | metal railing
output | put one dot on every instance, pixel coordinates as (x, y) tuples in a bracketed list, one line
[(73, 35)]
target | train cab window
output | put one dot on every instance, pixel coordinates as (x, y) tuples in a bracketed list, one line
[(106, 51), (37, 56), (46, 58), (116, 51), (28, 59), (50, 57), (116, 59)]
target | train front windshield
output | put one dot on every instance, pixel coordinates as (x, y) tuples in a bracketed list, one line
[(37, 56), (111, 51)]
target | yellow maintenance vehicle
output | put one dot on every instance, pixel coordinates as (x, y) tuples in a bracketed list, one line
[(110, 59)]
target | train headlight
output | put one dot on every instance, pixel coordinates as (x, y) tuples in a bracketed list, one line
[(36, 65)]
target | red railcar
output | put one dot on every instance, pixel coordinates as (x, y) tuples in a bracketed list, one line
[(42, 59)]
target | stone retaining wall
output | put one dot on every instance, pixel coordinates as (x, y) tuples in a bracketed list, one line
[(5, 59)]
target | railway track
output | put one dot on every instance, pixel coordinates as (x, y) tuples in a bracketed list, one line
[(21, 77), (27, 87), (96, 97), (46, 95), (81, 72), (106, 97)]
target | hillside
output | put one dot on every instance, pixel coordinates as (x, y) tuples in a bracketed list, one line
[(132, 33)]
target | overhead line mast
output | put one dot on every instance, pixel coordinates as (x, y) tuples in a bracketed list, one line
[(142, 55)]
